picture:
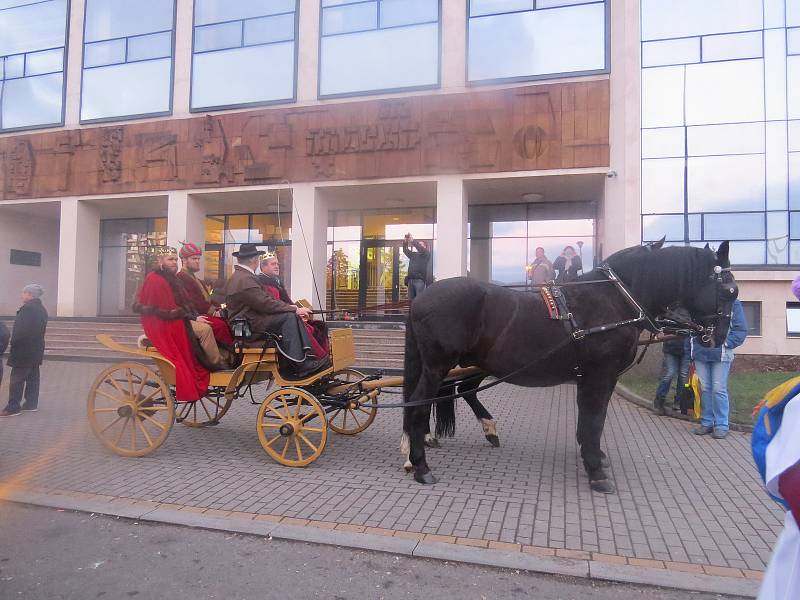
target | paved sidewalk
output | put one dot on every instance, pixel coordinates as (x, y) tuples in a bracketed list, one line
[(681, 498)]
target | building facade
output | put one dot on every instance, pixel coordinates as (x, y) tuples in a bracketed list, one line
[(325, 130)]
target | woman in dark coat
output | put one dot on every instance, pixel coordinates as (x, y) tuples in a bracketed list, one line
[(567, 265)]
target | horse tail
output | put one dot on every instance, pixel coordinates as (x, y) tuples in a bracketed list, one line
[(412, 370), (444, 414)]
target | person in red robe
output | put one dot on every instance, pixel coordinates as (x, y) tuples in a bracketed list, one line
[(198, 296), (271, 282), (166, 324)]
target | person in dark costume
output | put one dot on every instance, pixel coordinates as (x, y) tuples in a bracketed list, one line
[(417, 279), (246, 299)]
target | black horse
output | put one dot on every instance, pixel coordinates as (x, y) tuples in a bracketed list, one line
[(465, 322)]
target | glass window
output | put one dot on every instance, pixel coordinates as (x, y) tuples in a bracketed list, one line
[(237, 229), (654, 227), (793, 41), (665, 142), (248, 59), (685, 18), (793, 319), (740, 138), (732, 46), (662, 96), (215, 228), (141, 83), (726, 183), (662, 185), (383, 59), (32, 42), (725, 92), (537, 43), (752, 314), (744, 226), (359, 53), (491, 7), (671, 52)]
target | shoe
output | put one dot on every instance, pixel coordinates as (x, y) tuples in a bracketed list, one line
[(310, 366), (8, 413), (703, 430), (720, 434), (26, 409)]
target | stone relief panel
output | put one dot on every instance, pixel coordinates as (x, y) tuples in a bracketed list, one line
[(546, 126)]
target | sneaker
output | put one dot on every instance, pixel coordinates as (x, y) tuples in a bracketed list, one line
[(26, 409), (703, 430), (720, 434), (8, 413)]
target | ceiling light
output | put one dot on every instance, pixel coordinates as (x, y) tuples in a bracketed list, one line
[(532, 197)]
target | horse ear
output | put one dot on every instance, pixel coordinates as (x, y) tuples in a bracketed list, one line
[(706, 247), (659, 243), (722, 255)]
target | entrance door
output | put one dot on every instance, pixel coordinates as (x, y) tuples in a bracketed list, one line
[(382, 277)]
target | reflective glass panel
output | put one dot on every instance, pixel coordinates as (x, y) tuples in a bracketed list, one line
[(671, 52), (491, 7), (664, 142), (726, 183), (794, 136), (535, 43), (348, 18), (792, 319), (794, 220), (32, 101), (144, 47), (380, 60), (269, 29), (736, 45), (793, 41), (215, 228), (215, 11), (654, 227), (408, 12), (662, 185), (128, 89), (226, 77), (509, 259), (741, 138), (33, 26), (237, 229), (725, 92), (14, 67), (48, 61), (746, 253), (106, 19), (216, 37), (793, 86), (794, 180), (104, 53), (270, 227), (684, 18), (556, 3), (562, 227), (745, 226), (662, 96)]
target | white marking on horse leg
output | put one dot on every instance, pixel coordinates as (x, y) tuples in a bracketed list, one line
[(405, 450), (489, 427)]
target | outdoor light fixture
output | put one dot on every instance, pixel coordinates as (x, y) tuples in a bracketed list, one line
[(532, 197)]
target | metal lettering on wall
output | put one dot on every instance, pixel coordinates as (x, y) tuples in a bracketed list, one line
[(549, 126)]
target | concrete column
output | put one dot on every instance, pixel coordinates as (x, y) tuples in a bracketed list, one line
[(619, 223), (186, 220), (72, 71), (309, 244), (450, 251), (184, 18), (78, 259), (480, 258), (454, 44), (308, 51)]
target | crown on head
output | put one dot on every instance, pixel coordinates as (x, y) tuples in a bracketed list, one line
[(164, 251)]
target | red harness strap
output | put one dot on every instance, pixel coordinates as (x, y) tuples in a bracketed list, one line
[(550, 303)]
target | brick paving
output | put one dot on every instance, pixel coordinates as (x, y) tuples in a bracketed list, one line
[(681, 498)]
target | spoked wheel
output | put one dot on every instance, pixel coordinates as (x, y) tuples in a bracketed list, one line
[(359, 412), (206, 411), (291, 427), (130, 409)]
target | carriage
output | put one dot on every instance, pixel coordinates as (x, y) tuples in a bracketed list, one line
[(131, 405)]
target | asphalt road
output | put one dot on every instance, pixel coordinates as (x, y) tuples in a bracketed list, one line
[(54, 554)]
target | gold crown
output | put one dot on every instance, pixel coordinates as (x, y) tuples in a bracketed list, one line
[(163, 251), (267, 255)]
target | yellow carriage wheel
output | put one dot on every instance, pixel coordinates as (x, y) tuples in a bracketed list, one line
[(130, 409), (208, 410), (359, 413), (291, 427)]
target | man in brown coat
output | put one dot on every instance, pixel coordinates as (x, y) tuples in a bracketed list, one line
[(245, 298)]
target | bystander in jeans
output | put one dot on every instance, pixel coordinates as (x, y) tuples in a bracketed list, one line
[(27, 352), (5, 336), (675, 365), (713, 366)]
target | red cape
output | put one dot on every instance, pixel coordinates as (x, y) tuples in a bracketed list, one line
[(163, 323), (200, 301)]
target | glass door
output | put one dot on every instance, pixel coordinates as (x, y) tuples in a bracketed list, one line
[(380, 280)]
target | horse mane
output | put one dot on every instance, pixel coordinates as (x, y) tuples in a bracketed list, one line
[(658, 276)]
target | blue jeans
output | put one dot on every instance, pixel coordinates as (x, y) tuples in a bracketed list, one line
[(673, 365), (715, 406), (415, 288)]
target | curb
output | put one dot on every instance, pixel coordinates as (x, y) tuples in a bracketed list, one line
[(572, 563), (644, 403)]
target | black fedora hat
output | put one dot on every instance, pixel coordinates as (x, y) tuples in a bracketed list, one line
[(248, 251)]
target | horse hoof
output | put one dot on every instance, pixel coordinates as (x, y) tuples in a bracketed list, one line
[(433, 443), (493, 440), (606, 486), (425, 478)]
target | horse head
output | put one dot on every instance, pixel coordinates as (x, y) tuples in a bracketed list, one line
[(698, 279)]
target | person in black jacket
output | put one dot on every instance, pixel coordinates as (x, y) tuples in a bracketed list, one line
[(5, 336), (27, 352), (417, 279)]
